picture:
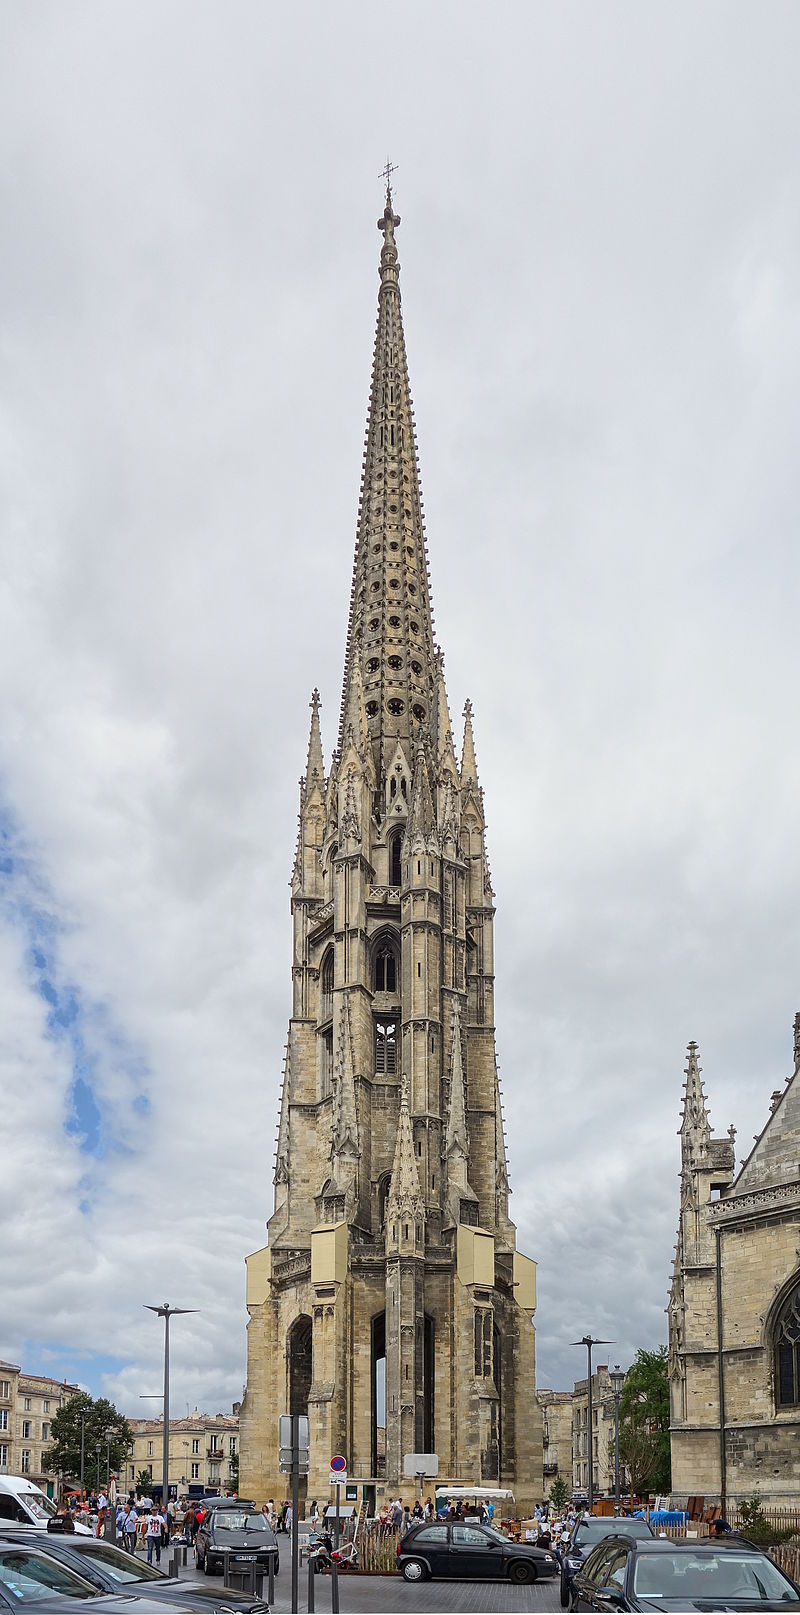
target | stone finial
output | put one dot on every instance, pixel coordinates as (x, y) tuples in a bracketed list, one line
[(315, 765), (469, 767)]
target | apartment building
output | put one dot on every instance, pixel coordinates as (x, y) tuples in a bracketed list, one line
[(599, 1440), (203, 1453), (27, 1405)]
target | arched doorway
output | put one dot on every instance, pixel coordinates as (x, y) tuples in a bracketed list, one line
[(299, 1357)]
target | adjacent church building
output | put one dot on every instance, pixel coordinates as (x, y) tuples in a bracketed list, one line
[(391, 1303), (734, 1307)]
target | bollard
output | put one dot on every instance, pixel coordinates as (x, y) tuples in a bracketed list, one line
[(258, 1590), (334, 1588), (311, 1569), (183, 1553), (173, 1566), (271, 1581)]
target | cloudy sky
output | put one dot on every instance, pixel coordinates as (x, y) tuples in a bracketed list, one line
[(600, 248)]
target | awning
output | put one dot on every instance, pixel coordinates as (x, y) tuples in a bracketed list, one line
[(481, 1494)]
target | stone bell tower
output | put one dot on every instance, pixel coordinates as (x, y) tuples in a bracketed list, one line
[(390, 1302)]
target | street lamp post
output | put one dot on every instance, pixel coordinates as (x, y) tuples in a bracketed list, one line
[(83, 1449), (617, 1378), (166, 1312), (589, 1341), (109, 1434), (98, 1449)]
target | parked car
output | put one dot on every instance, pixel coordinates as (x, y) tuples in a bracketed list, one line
[(634, 1573), (112, 1570), (237, 1529), (585, 1537), (32, 1578), (473, 1552)]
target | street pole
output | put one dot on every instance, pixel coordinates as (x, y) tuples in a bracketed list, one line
[(83, 1451), (617, 1381), (166, 1312), (98, 1449), (589, 1341), (295, 1509)]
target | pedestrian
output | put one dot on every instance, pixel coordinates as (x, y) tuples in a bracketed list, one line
[(129, 1523), (428, 1509), (171, 1515), (287, 1519), (155, 1525), (314, 1511)]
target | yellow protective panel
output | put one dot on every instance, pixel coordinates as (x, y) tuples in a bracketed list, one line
[(259, 1275), (525, 1282), (329, 1254), (475, 1256)]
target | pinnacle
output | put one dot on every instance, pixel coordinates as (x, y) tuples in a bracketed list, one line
[(456, 1134), (315, 766), (695, 1114), (404, 1190), (469, 766)]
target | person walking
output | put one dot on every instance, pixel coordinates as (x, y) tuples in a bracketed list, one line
[(129, 1524), (155, 1525)]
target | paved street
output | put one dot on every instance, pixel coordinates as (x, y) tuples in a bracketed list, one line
[(359, 1595)]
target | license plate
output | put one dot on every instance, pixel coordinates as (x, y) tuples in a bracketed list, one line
[(244, 1558)]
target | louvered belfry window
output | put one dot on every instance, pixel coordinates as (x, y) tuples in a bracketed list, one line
[(386, 1047), (787, 1352)]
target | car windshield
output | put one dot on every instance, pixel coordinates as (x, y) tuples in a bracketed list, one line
[(41, 1507), (28, 1577), (230, 1519), (588, 1532), (497, 1536), (677, 1578), (116, 1564)]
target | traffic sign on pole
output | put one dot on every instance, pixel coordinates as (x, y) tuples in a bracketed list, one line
[(338, 1464)]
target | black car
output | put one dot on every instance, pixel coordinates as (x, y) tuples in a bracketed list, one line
[(585, 1537), (244, 1534), (470, 1551), (112, 1570), (634, 1573), (32, 1579)]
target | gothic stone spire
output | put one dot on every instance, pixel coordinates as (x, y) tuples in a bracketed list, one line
[(405, 1197), (390, 631), (695, 1128)]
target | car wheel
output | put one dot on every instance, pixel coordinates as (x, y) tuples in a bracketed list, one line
[(565, 1598), (207, 1565), (415, 1570), (520, 1573)]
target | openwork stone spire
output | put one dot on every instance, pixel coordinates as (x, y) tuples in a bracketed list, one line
[(695, 1126), (390, 630), (315, 766)]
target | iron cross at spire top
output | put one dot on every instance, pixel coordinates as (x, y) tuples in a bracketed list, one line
[(386, 173)]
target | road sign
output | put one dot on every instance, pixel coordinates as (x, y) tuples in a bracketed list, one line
[(303, 1431), (338, 1464), (338, 1477)]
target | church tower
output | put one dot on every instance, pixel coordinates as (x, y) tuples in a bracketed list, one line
[(390, 1302)]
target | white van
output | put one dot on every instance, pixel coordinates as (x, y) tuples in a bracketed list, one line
[(25, 1505)]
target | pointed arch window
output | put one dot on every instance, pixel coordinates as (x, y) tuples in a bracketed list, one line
[(326, 987), (385, 970), (787, 1352), (395, 862), (386, 1048)]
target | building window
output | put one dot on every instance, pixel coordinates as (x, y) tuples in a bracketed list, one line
[(45, 1432), (3, 1418), (326, 1065), (27, 1404), (787, 1352), (25, 1466), (149, 1449), (195, 1471), (26, 1429), (326, 987), (385, 970), (5, 1390), (395, 848), (232, 1446), (483, 1343), (3, 1456), (386, 1047), (45, 1407), (213, 1444), (196, 1444)]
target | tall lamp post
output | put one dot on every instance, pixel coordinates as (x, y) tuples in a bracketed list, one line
[(98, 1449), (617, 1379), (166, 1312), (83, 1449), (589, 1341)]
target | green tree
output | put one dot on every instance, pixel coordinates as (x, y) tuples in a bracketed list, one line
[(559, 1492), (644, 1422), (233, 1473), (64, 1454), (144, 1482)]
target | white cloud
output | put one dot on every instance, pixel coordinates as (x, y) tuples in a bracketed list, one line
[(599, 249)]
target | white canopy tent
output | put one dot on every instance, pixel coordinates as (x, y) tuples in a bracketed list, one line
[(480, 1494)]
